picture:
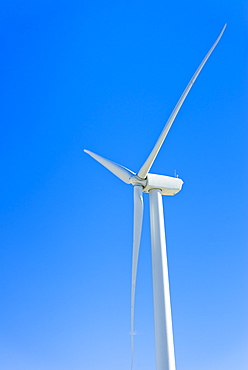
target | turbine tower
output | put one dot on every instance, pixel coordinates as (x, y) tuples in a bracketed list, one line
[(156, 185)]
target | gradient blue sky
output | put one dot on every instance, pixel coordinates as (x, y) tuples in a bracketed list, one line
[(105, 75)]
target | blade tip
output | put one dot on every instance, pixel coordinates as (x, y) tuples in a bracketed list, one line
[(223, 29)]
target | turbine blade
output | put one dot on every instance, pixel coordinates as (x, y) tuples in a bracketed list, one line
[(148, 163), (137, 227), (122, 172)]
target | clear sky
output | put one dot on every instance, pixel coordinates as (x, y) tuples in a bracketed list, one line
[(105, 76)]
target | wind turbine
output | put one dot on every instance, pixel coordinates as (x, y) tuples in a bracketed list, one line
[(156, 185)]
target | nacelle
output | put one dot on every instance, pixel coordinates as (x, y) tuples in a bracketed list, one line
[(168, 185)]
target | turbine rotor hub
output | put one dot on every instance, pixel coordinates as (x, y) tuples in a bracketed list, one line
[(135, 180)]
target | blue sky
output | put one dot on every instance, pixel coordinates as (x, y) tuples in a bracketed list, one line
[(105, 76)]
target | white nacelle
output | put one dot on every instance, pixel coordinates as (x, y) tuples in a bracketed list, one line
[(168, 185)]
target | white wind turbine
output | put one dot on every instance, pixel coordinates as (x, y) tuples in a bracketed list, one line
[(156, 186)]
